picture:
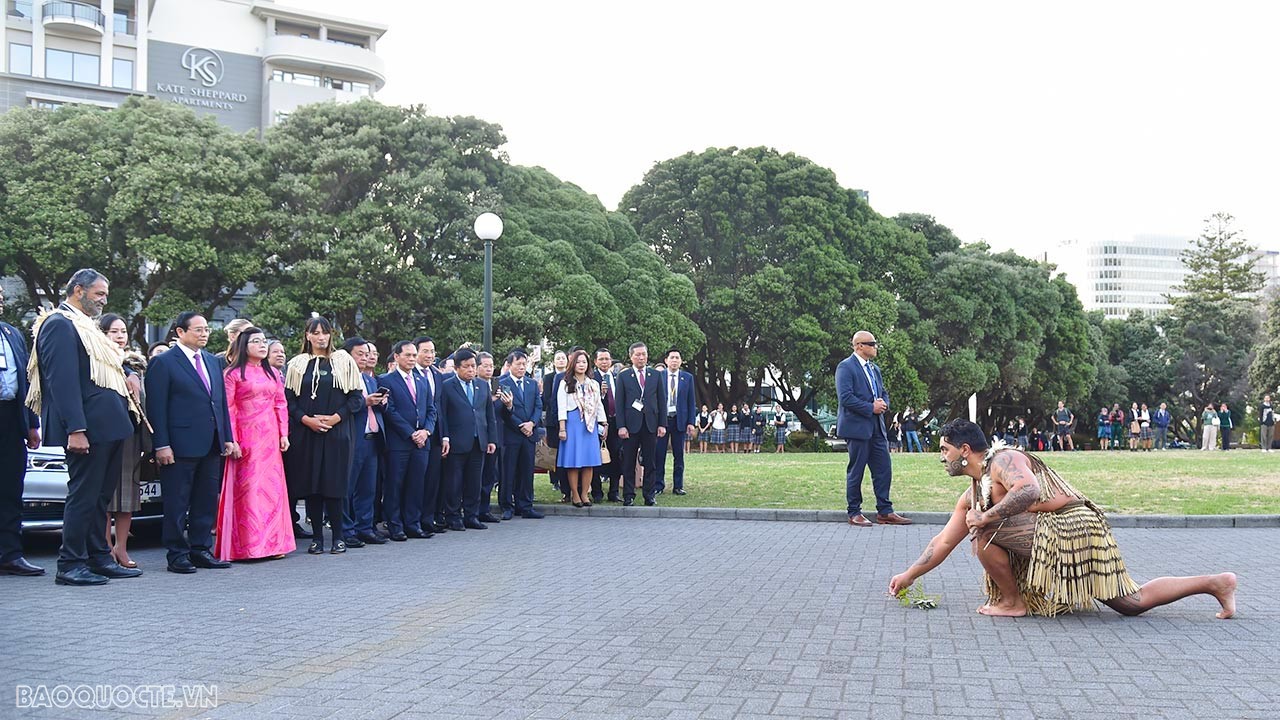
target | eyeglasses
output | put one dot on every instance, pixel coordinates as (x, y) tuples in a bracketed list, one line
[(257, 341), (198, 329), (873, 343)]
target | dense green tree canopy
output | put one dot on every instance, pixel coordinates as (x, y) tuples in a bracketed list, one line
[(167, 204), (786, 264), (1221, 262)]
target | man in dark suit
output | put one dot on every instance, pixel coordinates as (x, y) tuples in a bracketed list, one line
[(187, 404), (19, 431), (411, 410), (681, 409), (608, 397), (433, 484), (551, 420), (468, 426), (89, 418), (515, 491), (362, 486), (641, 404), (491, 473), (861, 422)]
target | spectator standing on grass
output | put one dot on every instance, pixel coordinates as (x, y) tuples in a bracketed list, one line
[(1063, 420), (1022, 434), (718, 427), (894, 437), (1104, 429), (910, 432), (1267, 424), (704, 427), (779, 429), (1210, 420), (1117, 426), (733, 428), (1160, 420), (1225, 425), (1145, 435)]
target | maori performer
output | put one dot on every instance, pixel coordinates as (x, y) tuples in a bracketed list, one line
[(1045, 547)]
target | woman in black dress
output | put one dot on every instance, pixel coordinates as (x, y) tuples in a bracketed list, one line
[(324, 389)]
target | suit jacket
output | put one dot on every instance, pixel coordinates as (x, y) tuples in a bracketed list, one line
[(856, 419), (437, 377), (70, 400), (526, 407), (608, 397), (686, 403), (654, 397), (371, 387), (403, 414), (19, 360), (466, 424), (186, 417)]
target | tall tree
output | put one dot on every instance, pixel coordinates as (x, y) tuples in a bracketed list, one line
[(167, 204), (786, 264), (1221, 262)]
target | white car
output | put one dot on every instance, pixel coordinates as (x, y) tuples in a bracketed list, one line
[(44, 493)]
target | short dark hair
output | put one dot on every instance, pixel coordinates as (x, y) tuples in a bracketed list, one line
[(667, 354), (462, 355), (963, 432), (399, 347), (603, 350), (480, 356), (417, 342), (352, 342), (85, 278), (184, 320), (515, 355), (635, 346)]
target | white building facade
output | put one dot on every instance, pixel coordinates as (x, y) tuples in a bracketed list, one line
[(248, 63)]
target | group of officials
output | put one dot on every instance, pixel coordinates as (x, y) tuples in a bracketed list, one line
[(422, 449)]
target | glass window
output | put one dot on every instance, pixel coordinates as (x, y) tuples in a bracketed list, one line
[(85, 68), (20, 8), (19, 59), (122, 24), (45, 104), (122, 73), (58, 64)]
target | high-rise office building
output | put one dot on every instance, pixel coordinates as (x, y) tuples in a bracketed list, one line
[(1119, 276)]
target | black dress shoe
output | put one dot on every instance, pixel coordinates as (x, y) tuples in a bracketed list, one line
[(298, 532), (80, 576), (369, 539), (20, 567), (182, 566), (315, 549), (456, 526), (353, 542), (597, 498), (114, 571), (439, 527), (614, 498), (650, 502), (488, 518), (679, 492), (338, 548), (629, 502), (475, 525), (205, 559), (416, 534), (508, 514), (532, 515), (399, 537)]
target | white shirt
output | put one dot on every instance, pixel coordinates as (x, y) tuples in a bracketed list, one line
[(866, 370)]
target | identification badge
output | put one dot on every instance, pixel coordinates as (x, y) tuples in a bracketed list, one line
[(4, 361), (638, 405)]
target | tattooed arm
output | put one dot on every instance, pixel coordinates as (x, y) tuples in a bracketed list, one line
[(1011, 470), (938, 548)]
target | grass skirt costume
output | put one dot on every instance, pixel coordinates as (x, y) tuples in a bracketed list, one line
[(1074, 560)]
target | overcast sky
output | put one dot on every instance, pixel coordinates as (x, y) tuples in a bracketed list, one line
[(1019, 123)]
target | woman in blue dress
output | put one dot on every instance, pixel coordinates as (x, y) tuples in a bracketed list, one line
[(582, 424)]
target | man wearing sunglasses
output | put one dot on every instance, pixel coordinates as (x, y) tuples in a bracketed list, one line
[(864, 403)]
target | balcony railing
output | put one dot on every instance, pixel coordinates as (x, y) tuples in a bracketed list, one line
[(124, 25), (78, 13)]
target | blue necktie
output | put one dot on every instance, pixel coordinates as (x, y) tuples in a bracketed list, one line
[(470, 397)]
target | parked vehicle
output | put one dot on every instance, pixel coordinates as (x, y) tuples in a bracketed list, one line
[(44, 493)]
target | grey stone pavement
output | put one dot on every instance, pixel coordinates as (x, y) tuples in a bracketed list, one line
[(588, 617)]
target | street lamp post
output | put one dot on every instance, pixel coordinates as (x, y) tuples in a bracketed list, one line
[(488, 228)]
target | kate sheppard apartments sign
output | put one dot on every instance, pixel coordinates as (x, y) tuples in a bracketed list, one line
[(225, 85)]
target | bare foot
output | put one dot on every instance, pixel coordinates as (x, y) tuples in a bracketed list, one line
[(1003, 610), (1224, 589)]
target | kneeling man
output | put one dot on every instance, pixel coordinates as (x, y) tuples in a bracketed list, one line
[(1046, 548)]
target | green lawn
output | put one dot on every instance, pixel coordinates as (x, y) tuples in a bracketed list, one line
[(1180, 482)]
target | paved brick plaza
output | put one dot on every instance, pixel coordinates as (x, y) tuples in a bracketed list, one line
[(646, 618)]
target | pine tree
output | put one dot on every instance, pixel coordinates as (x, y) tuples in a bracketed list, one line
[(1221, 262)]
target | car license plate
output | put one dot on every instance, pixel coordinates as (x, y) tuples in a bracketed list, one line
[(150, 491)]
